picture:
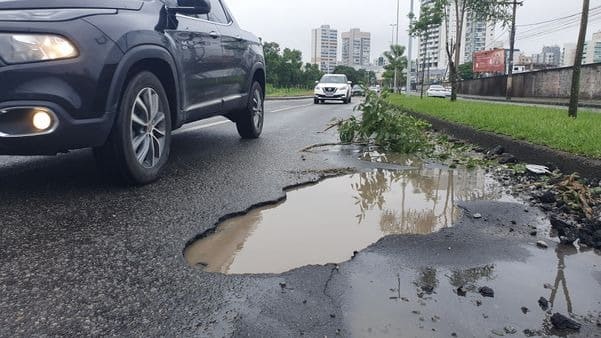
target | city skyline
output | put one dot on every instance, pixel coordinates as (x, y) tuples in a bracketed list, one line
[(376, 19)]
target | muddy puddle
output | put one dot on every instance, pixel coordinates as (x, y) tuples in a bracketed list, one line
[(328, 222), (445, 301)]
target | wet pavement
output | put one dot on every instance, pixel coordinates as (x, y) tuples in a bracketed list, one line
[(82, 257)]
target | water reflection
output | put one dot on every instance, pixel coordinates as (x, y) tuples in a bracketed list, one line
[(427, 197), (327, 222)]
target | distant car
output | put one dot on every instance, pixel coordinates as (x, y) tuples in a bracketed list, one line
[(438, 91), (357, 91), (333, 87), (376, 89)]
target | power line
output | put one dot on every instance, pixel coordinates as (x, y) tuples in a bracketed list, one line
[(556, 19), (592, 19), (559, 22)]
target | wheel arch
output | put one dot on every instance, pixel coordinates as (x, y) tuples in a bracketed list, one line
[(156, 60), (259, 75)]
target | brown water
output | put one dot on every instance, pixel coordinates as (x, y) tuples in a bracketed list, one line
[(327, 222)]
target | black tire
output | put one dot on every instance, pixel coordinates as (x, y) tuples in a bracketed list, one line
[(350, 99), (118, 155), (315, 101), (250, 120)]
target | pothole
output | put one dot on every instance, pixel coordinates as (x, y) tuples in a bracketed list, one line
[(329, 221)]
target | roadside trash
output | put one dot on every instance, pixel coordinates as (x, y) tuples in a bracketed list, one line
[(485, 291), (542, 244), (538, 169), (477, 216), (543, 303), (562, 322)]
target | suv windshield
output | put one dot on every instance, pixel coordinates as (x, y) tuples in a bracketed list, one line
[(333, 79)]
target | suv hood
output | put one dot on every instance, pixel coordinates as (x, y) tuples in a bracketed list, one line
[(51, 4), (333, 85)]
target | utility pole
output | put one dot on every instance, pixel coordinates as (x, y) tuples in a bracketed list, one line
[(396, 42), (511, 51), (575, 93), (409, 50), (392, 25)]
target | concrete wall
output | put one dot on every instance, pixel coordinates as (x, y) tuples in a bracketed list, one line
[(553, 83)]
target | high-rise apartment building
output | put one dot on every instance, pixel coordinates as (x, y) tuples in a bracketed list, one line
[(356, 48), (477, 35), (568, 54), (324, 48), (551, 56), (593, 49)]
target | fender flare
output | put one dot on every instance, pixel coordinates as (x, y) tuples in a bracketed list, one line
[(128, 60), (257, 66)]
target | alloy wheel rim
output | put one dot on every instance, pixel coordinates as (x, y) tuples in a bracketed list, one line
[(148, 128), (257, 109)]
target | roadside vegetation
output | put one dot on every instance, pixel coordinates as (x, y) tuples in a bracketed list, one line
[(543, 126), (284, 92), (285, 68), (384, 125)]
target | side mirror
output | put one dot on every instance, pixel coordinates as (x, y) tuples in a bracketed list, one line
[(192, 7), (350, 82), (316, 82)]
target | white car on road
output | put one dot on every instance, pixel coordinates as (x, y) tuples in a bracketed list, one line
[(333, 87), (438, 91)]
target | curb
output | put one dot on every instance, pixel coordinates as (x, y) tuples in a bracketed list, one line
[(525, 152), (534, 102), (287, 98)]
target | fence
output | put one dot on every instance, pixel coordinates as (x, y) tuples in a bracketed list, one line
[(550, 83)]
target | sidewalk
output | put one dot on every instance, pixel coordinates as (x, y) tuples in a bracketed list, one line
[(535, 100)]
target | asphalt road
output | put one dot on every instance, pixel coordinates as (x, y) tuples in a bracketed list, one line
[(80, 255)]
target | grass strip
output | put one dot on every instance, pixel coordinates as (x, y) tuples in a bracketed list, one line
[(287, 92), (549, 127)]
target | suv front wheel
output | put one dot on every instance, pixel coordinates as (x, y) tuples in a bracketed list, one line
[(139, 145), (250, 120)]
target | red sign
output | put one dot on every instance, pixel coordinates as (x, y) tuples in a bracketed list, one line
[(489, 61)]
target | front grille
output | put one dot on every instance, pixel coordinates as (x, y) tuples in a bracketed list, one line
[(329, 90)]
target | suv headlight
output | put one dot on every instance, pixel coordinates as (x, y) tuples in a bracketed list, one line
[(343, 88), (318, 88), (24, 48)]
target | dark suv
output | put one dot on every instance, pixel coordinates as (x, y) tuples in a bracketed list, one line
[(120, 75)]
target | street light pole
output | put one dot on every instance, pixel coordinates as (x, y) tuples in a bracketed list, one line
[(396, 42), (409, 50)]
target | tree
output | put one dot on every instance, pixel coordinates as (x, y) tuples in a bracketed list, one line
[(575, 92), (361, 76), (271, 50), (466, 71), (431, 15), (397, 62), (311, 74), (285, 68), (456, 11)]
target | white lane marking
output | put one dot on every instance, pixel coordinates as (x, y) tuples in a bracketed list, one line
[(204, 126), (209, 125), (290, 108)]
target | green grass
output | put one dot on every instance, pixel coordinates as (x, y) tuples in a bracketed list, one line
[(543, 126), (283, 92)]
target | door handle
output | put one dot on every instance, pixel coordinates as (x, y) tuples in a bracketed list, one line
[(214, 35)]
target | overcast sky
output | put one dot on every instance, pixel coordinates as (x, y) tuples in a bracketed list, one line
[(289, 22)]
